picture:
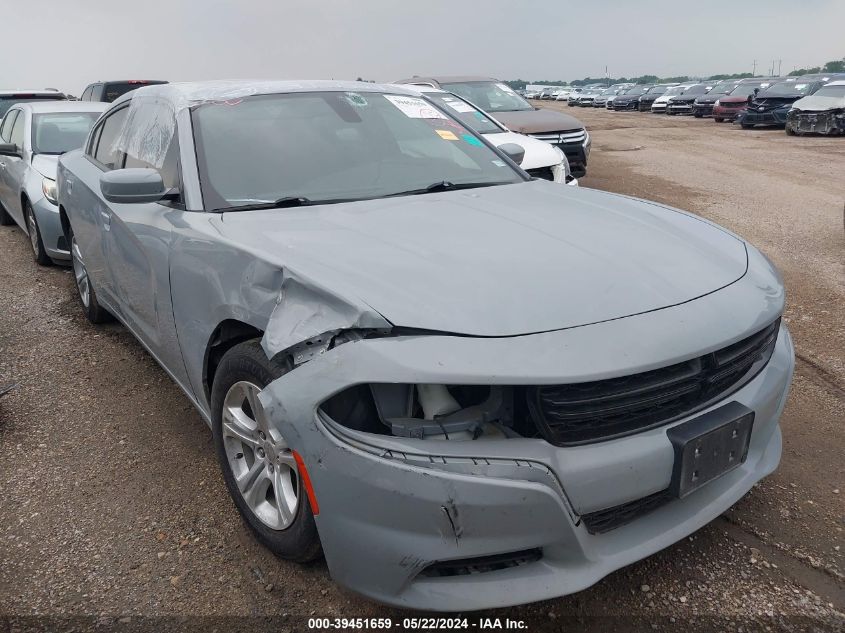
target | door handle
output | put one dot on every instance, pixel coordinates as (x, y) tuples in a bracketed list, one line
[(69, 185), (106, 216)]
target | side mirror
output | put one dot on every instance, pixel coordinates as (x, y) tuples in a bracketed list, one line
[(9, 149), (133, 185), (513, 151)]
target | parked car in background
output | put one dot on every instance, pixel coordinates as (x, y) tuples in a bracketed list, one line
[(108, 91), (467, 389), (541, 159), (821, 113), (546, 93), (729, 105), (566, 95), (8, 98), (646, 100), (682, 103), (600, 101), (531, 94), (659, 105), (703, 104), (32, 137), (771, 105), (586, 98), (518, 115), (629, 99)]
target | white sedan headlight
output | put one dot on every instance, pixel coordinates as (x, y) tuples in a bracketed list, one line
[(48, 188)]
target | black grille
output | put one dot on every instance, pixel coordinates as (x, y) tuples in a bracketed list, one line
[(541, 172), (603, 521), (481, 564), (585, 412)]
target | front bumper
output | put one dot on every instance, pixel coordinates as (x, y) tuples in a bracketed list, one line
[(52, 235), (751, 116), (625, 105), (679, 108), (702, 109), (658, 107), (727, 113), (828, 122), (391, 507)]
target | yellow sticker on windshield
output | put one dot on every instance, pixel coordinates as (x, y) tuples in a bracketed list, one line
[(446, 135)]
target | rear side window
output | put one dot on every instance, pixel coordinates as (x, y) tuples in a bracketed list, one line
[(8, 122), (17, 131), (105, 152), (86, 95), (116, 89)]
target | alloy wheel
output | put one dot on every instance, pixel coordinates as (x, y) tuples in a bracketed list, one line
[(261, 462), (32, 227), (79, 271)]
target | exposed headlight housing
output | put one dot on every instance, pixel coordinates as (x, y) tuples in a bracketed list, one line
[(48, 188), (716, 103)]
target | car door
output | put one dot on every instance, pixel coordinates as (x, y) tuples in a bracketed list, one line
[(11, 168), (137, 239), (88, 208), (5, 135)]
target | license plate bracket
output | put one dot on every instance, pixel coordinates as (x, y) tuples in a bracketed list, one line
[(709, 446)]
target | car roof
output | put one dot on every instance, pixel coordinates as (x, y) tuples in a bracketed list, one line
[(37, 93), (42, 107), (187, 94), (446, 79)]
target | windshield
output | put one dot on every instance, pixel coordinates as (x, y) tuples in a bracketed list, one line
[(637, 90), (831, 91), (7, 102), (490, 96), (698, 89), (674, 90), (466, 113), (116, 89), (743, 90), (722, 88), (657, 90), (322, 147), (785, 89), (60, 132)]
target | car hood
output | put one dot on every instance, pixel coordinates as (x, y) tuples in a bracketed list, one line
[(819, 104), (537, 153), (535, 121), (497, 261), (46, 165)]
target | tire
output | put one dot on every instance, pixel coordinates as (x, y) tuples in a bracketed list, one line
[(243, 372), (5, 218), (789, 131), (92, 309), (718, 119), (697, 115), (39, 253), (746, 126)]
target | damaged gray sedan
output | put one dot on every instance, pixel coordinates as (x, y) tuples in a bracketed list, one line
[(464, 387)]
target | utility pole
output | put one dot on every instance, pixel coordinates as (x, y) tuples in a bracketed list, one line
[(754, 71), (779, 63)]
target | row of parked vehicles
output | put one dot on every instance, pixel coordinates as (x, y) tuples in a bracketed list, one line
[(466, 387), (805, 104)]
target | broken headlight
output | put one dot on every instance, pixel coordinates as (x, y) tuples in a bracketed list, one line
[(427, 411)]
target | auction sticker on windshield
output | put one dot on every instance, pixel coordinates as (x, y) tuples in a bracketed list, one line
[(415, 108), (458, 106)]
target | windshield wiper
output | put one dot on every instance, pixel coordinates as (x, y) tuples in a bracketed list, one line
[(282, 203), (445, 185)]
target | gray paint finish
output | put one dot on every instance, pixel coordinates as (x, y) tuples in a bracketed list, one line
[(523, 284)]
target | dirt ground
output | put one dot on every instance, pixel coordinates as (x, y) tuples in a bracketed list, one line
[(113, 513)]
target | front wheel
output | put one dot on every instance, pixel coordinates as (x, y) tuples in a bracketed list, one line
[(39, 253), (718, 119), (94, 312), (259, 468), (5, 218), (746, 126), (697, 115)]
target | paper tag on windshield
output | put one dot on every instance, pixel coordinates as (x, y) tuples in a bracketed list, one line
[(459, 106), (415, 108)]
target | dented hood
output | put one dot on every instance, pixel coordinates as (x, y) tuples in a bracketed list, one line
[(497, 261), (815, 103)]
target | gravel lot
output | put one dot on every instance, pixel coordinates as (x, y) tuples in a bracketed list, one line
[(113, 513)]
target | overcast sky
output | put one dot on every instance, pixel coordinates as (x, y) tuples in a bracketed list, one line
[(67, 44)]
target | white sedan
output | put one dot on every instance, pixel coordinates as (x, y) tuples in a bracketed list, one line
[(542, 160)]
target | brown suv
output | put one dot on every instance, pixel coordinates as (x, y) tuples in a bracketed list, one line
[(503, 103)]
